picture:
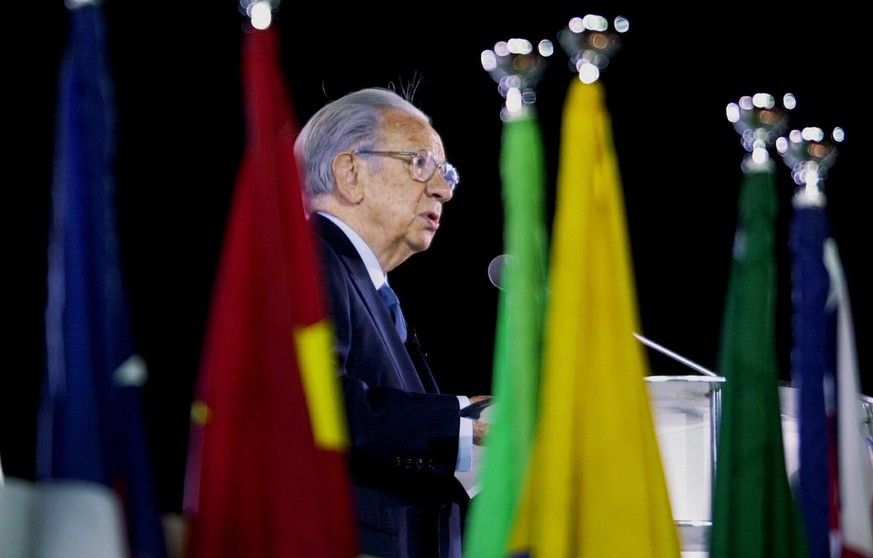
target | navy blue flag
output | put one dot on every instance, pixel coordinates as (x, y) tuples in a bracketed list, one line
[(811, 371), (90, 424)]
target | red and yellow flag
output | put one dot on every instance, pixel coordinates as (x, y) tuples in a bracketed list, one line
[(267, 469)]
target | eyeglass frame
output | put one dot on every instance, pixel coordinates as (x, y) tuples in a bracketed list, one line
[(445, 167)]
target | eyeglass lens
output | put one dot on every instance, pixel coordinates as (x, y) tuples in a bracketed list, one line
[(424, 166)]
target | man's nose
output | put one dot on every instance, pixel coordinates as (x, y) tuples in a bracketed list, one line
[(439, 188)]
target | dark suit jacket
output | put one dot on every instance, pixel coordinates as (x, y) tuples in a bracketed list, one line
[(403, 432)]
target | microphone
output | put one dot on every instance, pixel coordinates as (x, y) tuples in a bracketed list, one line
[(495, 269)]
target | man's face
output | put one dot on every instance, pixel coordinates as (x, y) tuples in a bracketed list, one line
[(402, 214)]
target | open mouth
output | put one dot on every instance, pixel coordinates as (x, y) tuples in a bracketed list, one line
[(433, 218)]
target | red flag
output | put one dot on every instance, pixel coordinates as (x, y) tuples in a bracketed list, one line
[(267, 466)]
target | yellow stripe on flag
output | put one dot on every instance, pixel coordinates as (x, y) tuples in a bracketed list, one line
[(321, 385)]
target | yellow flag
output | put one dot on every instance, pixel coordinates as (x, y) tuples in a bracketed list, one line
[(596, 484)]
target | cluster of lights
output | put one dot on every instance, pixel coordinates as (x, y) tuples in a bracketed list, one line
[(808, 152), (759, 121), (517, 66), (590, 45)]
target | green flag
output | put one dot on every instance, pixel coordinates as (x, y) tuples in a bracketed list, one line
[(518, 341), (753, 510)]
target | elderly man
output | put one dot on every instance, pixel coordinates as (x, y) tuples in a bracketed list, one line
[(376, 183)]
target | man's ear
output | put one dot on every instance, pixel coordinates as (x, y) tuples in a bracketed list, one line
[(346, 171)]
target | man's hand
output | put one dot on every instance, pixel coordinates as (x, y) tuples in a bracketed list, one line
[(480, 431), (480, 427)]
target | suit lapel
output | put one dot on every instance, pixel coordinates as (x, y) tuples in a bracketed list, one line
[(363, 285)]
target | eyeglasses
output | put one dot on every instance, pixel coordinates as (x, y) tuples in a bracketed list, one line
[(423, 165)]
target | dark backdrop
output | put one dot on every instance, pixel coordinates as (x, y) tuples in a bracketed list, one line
[(177, 81)]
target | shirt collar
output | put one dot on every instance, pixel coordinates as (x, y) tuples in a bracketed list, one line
[(378, 276)]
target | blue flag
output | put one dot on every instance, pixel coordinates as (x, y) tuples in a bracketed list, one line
[(90, 424), (811, 371)]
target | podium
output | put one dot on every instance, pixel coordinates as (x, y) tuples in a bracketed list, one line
[(686, 411)]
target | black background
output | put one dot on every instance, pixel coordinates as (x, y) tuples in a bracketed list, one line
[(178, 93)]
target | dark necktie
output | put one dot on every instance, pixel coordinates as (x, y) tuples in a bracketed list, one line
[(389, 298)]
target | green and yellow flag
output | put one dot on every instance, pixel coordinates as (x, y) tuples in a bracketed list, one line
[(595, 484)]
